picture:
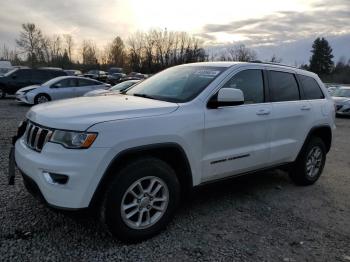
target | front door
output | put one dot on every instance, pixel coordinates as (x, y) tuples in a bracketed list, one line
[(236, 138)]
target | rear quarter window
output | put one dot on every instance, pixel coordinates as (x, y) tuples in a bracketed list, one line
[(311, 89)]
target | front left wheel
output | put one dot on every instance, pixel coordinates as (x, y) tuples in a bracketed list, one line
[(141, 200), (41, 98)]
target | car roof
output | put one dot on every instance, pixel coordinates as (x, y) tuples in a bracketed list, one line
[(75, 77), (226, 64)]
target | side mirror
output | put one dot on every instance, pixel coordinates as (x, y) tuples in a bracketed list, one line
[(227, 97), (14, 76)]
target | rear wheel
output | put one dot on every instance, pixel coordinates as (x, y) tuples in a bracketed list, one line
[(41, 98), (141, 200), (310, 163)]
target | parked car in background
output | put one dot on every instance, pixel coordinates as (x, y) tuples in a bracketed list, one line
[(22, 77), (97, 75), (114, 78), (4, 71), (118, 88), (114, 70), (5, 66), (58, 88), (133, 76), (341, 98), (73, 72), (332, 88)]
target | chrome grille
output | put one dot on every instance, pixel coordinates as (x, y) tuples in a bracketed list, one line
[(36, 136)]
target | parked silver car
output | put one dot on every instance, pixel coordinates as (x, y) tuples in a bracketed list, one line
[(114, 89), (341, 99), (58, 88)]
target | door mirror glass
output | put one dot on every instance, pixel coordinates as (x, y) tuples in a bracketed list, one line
[(227, 97)]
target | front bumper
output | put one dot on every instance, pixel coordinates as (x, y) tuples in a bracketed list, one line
[(83, 167), (21, 97), (343, 110)]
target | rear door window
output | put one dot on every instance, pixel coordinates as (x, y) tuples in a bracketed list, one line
[(311, 89), (68, 82), (87, 82), (283, 86)]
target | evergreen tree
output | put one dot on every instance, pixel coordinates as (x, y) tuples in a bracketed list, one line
[(321, 60)]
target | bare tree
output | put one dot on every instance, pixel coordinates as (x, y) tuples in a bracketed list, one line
[(241, 53), (9, 54), (135, 43), (29, 41), (116, 52), (69, 45), (275, 59), (89, 52)]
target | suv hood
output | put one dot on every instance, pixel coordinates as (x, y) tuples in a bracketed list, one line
[(80, 113)]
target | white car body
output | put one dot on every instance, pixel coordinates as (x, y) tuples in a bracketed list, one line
[(342, 103), (78, 86), (217, 143), (114, 89)]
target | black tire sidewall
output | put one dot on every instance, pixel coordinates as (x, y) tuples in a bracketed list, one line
[(127, 176), (39, 95), (299, 174)]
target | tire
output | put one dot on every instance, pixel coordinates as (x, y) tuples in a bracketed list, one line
[(147, 171), (308, 167), (2, 93), (41, 98)]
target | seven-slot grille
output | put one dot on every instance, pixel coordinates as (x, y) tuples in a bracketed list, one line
[(36, 136)]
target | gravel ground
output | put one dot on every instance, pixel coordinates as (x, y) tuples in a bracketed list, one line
[(262, 217)]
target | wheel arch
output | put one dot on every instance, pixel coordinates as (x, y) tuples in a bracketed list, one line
[(322, 131), (171, 153)]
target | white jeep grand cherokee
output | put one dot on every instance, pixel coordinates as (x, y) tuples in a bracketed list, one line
[(134, 155)]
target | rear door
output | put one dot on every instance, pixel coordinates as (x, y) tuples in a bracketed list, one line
[(65, 88), (236, 138), (291, 116)]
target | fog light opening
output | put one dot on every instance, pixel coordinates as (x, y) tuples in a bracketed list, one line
[(55, 179)]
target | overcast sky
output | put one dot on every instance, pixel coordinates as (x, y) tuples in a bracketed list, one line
[(282, 27)]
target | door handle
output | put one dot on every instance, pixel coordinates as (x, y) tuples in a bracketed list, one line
[(263, 112), (305, 107)]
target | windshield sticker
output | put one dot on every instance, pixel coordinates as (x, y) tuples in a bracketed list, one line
[(210, 73)]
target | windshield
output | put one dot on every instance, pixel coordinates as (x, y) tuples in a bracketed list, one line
[(177, 84), (10, 72), (341, 93), (122, 86)]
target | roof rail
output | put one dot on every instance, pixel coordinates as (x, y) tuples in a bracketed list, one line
[(271, 63)]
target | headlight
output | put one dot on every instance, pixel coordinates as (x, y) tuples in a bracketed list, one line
[(26, 91), (71, 139)]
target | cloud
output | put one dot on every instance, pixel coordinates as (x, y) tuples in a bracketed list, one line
[(324, 18), (97, 20)]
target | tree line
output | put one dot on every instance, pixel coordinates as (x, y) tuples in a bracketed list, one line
[(150, 52), (146, 52)]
